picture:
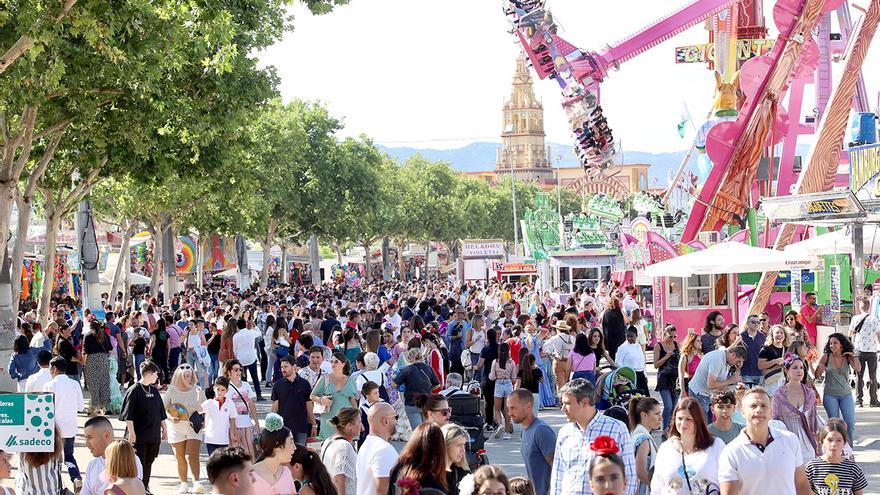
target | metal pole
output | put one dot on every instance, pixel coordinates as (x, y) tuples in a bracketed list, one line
[(858, 260), (513, 194), (558, 188)]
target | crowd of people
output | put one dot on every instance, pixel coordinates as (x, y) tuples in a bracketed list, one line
[(349, 370)]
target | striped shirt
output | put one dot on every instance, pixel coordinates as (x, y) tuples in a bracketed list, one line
[(571, 468), (828, 478), (42, 480)]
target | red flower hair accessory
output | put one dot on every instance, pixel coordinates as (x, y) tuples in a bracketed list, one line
[(604, 445)]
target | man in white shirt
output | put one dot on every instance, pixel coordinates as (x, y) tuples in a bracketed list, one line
[(244, 346), (762, 459), (98, 434), (376, 456), (38, 380), (864, 331), (631, 355), (68, 399), (713, 375)]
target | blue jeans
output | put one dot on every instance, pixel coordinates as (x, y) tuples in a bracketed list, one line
[(585, 374), (212, 447), (414, 414), (843, 407), (753, 380), (300, 438), (669, 398), (70, 461), (138, 359), (173, 361), (215, 368), (477, 373), (705, 401)]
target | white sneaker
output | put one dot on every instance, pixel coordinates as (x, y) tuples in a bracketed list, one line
[(184, 487), (201, 487), (506, 436)]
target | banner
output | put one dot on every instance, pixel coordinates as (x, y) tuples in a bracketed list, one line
[(27, 422), (482, 249), (835, 289), (796, 292)]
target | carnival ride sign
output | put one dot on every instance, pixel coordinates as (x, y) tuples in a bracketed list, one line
[(27, 422), (864, 164), (745, 49), (796, 290), (482, 248)]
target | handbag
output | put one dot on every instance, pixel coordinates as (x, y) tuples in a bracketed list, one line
[(197, 421), (711, 488)]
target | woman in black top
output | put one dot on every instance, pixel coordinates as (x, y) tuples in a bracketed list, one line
[(159, 348), (614, 326), (214, 351), (666, 356), (64, 348), (144, 413), (488, 356), (419, 461), (96, 350)]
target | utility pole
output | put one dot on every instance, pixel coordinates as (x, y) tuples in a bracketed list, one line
[(558, 188), (513, 194)]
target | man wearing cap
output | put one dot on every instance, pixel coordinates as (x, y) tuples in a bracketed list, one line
[(559, 346)]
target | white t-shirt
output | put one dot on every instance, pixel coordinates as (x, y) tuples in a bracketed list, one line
[(267, 338), (244, 347), (217, 420), (702, 466), (629, 304), (478, 340), (866, 339), (759, 473), (243, 418), (631, 356), (339, 457), (375, 459), (714, 363)]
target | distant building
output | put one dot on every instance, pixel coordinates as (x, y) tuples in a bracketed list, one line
[(524, 150)]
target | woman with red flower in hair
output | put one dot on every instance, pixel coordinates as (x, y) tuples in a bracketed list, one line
[(607, 470)]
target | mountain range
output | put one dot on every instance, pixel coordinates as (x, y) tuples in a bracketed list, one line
[(481, 155)]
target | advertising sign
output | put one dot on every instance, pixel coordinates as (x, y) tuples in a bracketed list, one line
[(482, 248), (796, 290), (835, 289), (27, 422), (745, 49)]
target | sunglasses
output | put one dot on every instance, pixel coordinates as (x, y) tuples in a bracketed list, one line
[(762, 320), (445, 412), (185, 367), (237, 369)]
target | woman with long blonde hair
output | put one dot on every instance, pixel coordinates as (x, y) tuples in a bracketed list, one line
[(691, 354), (182, 400), (457, 466), (121, 469)]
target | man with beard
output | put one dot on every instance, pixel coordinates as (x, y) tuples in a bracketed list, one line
[(712, 330), (291, 400)]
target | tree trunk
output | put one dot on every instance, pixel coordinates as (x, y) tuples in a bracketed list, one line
[(53, 219), (315, 259), (170, 260), (367, 270), (285, 272), (7, 199), (156, 275), (120, 275), (338, 252), (427, 255), (126, 287), (267, 252), (17, 266)]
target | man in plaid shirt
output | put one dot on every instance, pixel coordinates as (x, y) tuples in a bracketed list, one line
[(571, 466)]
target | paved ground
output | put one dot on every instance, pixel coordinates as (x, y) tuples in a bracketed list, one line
[(506, 453)]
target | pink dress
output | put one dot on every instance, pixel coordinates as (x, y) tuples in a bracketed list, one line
[(283, 486)]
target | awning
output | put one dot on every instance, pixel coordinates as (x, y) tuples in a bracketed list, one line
[(838, 242), (732, 257)]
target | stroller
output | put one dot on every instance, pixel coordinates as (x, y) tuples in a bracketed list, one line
[(467, 412), (615, 388)]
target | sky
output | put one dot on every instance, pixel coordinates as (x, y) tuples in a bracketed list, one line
[(435, 74)]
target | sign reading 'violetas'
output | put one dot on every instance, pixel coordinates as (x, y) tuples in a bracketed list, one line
[(27, 422)]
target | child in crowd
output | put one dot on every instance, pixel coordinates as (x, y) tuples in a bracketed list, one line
[(606, 470), (219, 417), (723, 406), (520, 485), (370, 391), (833, 472)]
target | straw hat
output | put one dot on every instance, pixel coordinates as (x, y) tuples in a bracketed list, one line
[(562, 325)]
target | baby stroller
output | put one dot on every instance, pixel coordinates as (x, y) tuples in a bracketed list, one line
[(616, 388), (467, 412)]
